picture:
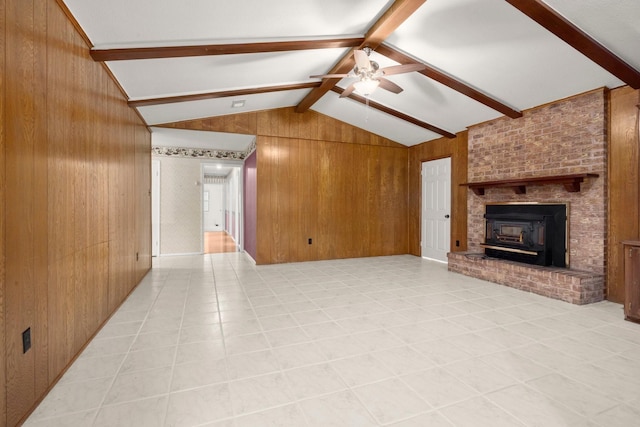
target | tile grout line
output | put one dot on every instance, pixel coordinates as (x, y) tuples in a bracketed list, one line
[(101, 405)]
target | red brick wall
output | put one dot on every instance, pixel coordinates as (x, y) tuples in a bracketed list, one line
[(565, 137)]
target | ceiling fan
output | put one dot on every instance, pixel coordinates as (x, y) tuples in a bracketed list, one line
[(370, 74)]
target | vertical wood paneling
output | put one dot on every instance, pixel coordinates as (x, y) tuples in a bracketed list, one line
[(20, 136), (61, 212), (245, 123), (350, 199), (459, 193), (142, 199), (97, 171), (307, 159), (130, 195), (40, 333), (623, 184), (375, 172), (280, 202), (97, 215), (121, 205), (286, 123), (345, 162), (265, 153), (294, 215), (3, 380), (433, 150), (81, 316), (328, 218), (401, 191), (61, 116)]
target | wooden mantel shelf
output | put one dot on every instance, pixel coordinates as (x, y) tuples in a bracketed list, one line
[(571, 183)]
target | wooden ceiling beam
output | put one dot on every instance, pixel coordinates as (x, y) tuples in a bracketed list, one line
[(223, 94), (395, 113), (397, 13), (449, 81), (393, 17), (122, 54), (579, 40)]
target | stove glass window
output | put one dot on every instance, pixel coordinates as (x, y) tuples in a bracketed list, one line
[(510, 230)]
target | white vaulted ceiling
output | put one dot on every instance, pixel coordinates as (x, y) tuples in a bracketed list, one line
[(485, 58)]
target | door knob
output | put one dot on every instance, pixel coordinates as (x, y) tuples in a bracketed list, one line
[(446, 216)]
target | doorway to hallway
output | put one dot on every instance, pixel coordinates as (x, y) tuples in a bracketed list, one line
[(221, 207)]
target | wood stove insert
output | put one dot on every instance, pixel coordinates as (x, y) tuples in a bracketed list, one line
[(529, 233)]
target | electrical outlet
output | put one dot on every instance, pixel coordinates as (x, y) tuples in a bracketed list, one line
[(309, 240), (26, 340)]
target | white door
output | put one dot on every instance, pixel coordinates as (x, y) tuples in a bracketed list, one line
[(213, 207), (436, 209), (155, 207)]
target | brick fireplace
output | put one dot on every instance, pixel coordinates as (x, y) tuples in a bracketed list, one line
[(562, 138)]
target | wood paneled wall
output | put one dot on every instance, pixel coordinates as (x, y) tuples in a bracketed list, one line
[(3, 380), (624, 184), (325, 180), (286, 123), (457, 149), (250, 204), (142, 200), (350, 199), (74, 184)]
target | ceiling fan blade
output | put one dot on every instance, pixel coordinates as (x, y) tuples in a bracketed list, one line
[(329, 76), (389, 85), (348, 91), (399, 69), (362, 60)]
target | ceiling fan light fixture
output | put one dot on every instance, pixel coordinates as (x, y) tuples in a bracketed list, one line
[(366, 87)]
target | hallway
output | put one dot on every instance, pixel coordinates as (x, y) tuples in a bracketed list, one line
[(214, 340), (218, 242)]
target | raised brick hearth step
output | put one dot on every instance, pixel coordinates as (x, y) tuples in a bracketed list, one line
[(574, 286)]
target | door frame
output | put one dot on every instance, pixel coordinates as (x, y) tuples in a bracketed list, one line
[(451, 202), (155, 207), (239, 165)]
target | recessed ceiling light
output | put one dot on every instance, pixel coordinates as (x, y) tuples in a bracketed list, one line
[(237, 104)]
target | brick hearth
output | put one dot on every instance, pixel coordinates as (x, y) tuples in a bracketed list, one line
[(574, 286)]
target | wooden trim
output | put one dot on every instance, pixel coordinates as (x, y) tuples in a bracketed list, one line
[(571, 183), (395, 113), (74, 22), (219, 49), (223, 94), (451, 82), (578, 39), (399, 11), (3, 130), (623, 183)]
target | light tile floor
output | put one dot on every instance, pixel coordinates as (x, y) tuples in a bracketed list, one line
[(214, 340)]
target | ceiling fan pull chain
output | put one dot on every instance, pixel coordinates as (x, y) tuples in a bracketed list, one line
[(366, 117)]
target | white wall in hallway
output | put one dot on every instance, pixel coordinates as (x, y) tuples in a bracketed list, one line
[(180, 205)]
